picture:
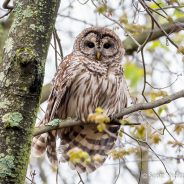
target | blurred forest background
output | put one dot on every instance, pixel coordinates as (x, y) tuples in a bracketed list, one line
[(151, 152)]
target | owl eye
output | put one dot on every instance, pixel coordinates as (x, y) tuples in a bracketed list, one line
[(107, 45), (90, 44)]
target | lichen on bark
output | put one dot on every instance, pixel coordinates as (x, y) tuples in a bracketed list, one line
[(21, 77), (12, 119), (6, 165)]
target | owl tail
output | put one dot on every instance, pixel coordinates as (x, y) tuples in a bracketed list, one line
[(39, 144), (95, 146), (43, 142), (46, 141)]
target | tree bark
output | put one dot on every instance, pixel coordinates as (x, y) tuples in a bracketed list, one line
[(21, 78), (4, 28)]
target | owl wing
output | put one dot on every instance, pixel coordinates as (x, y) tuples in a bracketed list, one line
[(67, 71), (63, 79)]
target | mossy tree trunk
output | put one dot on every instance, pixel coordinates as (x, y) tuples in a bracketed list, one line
[(21, 78), (4, 28)]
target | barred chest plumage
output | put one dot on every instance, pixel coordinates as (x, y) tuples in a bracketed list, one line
[(96, 85), (90, 77)]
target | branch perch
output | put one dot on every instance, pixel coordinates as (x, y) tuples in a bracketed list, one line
[(126, 111)]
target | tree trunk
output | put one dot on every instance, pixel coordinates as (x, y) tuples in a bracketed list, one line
[(4, 28), (143, 165), (21, 78)]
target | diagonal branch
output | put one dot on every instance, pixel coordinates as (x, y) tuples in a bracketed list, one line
[(126, 111), (150, 105), (171, 27)]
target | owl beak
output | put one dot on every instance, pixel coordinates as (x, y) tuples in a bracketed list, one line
[(98, 55)]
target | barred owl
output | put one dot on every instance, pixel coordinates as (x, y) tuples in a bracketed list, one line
[(90, 77)]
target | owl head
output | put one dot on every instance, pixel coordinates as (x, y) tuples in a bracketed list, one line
[(99, 44)]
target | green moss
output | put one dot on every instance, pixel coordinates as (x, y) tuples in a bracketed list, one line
[(24, 88), (6, 165), (8, 45), (7, 83), (28, 12), (54, 122), (41, 28), (2, 76), (8, 141), (32, 26), (12, 119), (24, 55), (20, 15), (4, 104)]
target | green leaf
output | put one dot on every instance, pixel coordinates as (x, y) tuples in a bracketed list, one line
[(102, 9), (178, 14), (133, 73), (157, 44)]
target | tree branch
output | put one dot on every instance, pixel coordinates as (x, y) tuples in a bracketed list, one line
[(150, 105), (126, 111), (130, 46)]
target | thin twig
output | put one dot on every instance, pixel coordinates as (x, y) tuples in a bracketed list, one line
[(152, 10), (148, 37), (170, 7), (75, 19), (160, 88), (119, 171), (83, 3), (144, 87), (137, 140), (6, 14), (158, 25), (55, 49), (160, 7), (81, 180), (59, 44)]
